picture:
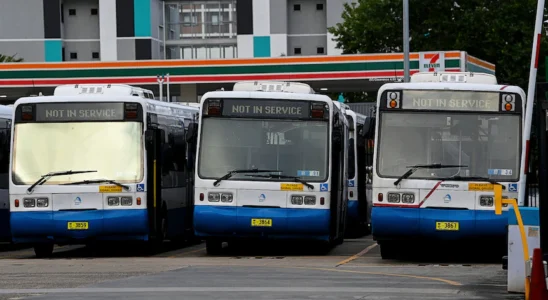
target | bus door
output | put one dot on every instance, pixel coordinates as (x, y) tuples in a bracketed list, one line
[(191, 139), (154, 142)]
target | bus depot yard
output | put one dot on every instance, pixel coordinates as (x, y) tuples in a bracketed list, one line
[(352, 270)]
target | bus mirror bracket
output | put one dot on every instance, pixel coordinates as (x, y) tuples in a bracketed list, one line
[(368, 128), (191, 132), (149, 139)]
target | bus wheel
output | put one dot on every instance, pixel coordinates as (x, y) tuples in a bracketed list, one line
[(43, 250), (214, 247), (388, 250)]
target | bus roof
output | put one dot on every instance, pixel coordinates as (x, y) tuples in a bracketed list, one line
[(6, 111), (359, 118), (273, 86), (102, 89), (454, 77)]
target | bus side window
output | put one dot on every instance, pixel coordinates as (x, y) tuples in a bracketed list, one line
[(351, 159)]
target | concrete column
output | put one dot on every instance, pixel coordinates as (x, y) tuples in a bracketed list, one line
[(107, 30), (189, 93)]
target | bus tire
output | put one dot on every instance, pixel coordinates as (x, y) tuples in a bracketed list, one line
[(214, 247), (388, 250), (43, 250)]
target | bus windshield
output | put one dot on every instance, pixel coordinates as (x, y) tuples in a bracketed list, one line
[(296, 148), (114, 149), (488, 144)]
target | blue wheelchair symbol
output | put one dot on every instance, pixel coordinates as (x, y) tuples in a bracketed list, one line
[(350, 183), (513, 187), (324, 187), (140, 187)]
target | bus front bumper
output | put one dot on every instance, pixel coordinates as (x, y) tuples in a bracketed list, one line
[(52, 226), (236, 223), (410, 223)]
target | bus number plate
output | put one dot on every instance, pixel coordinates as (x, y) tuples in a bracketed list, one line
[(261, 222), (447, 226), (78, 225)]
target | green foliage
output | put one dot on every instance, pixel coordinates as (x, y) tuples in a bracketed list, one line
[(9, 59), (499, 31)]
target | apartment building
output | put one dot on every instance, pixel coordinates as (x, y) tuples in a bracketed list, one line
[(110, 30)]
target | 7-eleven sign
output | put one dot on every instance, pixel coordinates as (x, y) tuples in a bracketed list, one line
[(432, 61)]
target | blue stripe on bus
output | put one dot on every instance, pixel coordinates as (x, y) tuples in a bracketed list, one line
[(352, 213), (529, 216), (5, 233), (287, 223), (395, 222), (37, 226)]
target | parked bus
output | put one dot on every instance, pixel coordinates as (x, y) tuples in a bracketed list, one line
[(94, 167), (6, 114), (359, 200), (443, 140), (272, 164)]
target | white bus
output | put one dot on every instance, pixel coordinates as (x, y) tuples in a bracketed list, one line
[(94, 167), (272, 163), (6, 114), (359, 185), (441, 144)]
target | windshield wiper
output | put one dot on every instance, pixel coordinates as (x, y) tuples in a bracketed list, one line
[(431, 166), (297, 179), (44, 178), (98, 181), (229, 174), (474, 178)]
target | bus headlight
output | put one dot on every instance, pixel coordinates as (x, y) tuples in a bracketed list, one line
[(127, 201), (297, 200), (408, 198), (393, 198), (113, 201), (226, 197), (486, 201), (310, 200), (42, 202), (213, 197), (29, 202)]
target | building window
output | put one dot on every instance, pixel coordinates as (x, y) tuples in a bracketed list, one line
[(297, 50), (296, 7), (320, 50), (94, 11), (95, 55), (73, 55), (319, 6), (72, 12), (62, 13)]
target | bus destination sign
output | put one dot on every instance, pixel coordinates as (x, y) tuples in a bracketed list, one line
[(266, 108), (83, 111), (450, 100)]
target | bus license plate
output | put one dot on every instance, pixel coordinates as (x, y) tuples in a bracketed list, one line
[(78, 225), (261, 222), (447, 226)]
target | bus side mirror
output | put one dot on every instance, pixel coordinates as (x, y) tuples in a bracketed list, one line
[(192, 132), (149, 139)]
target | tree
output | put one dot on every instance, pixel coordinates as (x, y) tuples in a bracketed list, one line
[(499, 31), (9, 59)]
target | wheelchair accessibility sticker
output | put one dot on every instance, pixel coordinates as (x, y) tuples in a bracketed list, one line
[(351, 183), (140, 187), (324, 187), (513, 187)]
